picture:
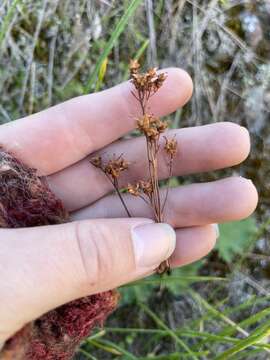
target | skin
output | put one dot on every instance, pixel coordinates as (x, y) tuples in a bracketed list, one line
[(44, 267)]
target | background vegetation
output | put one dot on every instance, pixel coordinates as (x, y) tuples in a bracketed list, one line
[(52, 50)]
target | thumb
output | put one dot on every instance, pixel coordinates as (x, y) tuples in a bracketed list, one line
[(47, 266)]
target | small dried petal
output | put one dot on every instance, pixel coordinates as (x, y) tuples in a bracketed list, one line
[(146, 187), (139, 81), (161, 126), (151, 75), (152, 133), (159, 81), (152, 72), (123, 164), (134, 66), (134, 189)]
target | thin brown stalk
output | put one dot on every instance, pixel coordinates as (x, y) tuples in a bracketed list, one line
[(168, 187), (116, 186), (112, 170), (147, 85)]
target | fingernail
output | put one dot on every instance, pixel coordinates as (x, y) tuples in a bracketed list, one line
[(153, 243), (216, 227)]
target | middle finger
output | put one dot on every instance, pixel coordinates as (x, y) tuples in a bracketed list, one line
[(202, 148), (219, 201)]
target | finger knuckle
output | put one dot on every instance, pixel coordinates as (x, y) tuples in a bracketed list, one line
[(95, 254)]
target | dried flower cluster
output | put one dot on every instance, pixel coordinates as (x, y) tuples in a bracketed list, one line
[(141, 187), (170, 147), (112, 169), (151, 127), (146, 84)]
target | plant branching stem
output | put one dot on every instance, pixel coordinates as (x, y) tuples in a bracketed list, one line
[(168, 188), (116, 186)]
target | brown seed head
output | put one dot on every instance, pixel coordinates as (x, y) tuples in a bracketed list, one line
[(146, 187), (115, 166), (152, 73), (140, 82), (133, 66), (151, 126), (140, 187), (134, 189), (96, 161), (161, 126), (159, 81), (170, 146), (148, 82)]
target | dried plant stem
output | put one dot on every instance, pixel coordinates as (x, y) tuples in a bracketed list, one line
[(146, 85), (152, 151), (116, 186), (153, 172), (168, 187)]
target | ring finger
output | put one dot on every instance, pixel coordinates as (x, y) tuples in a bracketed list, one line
[(219, 201), (203, 148)]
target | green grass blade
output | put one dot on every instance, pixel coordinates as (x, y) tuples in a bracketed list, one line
[(173, 356), (160, 323), (257, 336), (120, 27), (137, 56), (243, 355), (233, 327), (169, 279), (107, 348), (184, 333), (96, 335), (101, 74), (7, 20), (113, 348), (249, 321), (254, 300), (88, 356), (217, 313)]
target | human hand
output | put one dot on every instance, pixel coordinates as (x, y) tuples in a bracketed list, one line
[(47, 266)]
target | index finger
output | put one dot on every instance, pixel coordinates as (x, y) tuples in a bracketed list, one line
[(64, 134)]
